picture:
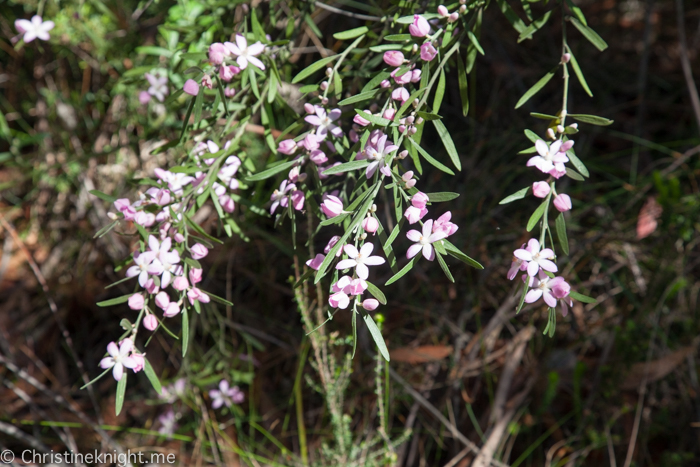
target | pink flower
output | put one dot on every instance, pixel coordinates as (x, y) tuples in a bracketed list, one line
[(246, 53), (316, 262), (199, 251), (150, 322), (180, 283), (549, 157), (414, 214), (318, 157), (370, 304), (217, 53), (195, 294), (419, 200), (535, 258), (393, 58), (332, 206), (158, 86), (229, 91), (370, 225), (515, 266), (172, 310), (420, 27), (226, 73), (543, 286), (144, 97), (279, 197), (119, 358), (331, 244), (151, 287), (339, 300), (424, 241), (162, 300), (138, 358), (34, 29), (355, 287), (225, 395), (427, 52), (400, 94), (378, 154), (143, 262), (560, 290), (227, 203), (443, 224), (389, 113), (562, 202), (136, 302), (442, 11), (360, 260), (360, 120), (207, 82), (310, 142), (415, 75), (195, 276), (288, 146), (324, 122), (298, 199), (191, 87), (540, 189)]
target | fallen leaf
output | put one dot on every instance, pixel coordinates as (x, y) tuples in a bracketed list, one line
[(646, 222), (655, 369), (422, 354)]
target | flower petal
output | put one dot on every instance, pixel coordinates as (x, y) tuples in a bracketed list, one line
[(547, 265), (532, 268), (413, 235), (351, 251), (374, 260), (413, 250), (428, 252), (346, 264), (366, 249), (533, 295), (362, 271)]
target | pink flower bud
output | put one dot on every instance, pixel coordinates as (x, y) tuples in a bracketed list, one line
[(150, 322), (217, 52), (227, 204), (393, 58), (331, 244), (560, 289), (407, 176), (144, 97), (562, 203), (566, 58), (179, 238), (566, 146), (309, 108), (414, 214), (442, 11), (136, 302), (199, 251), (172, 310), (403, 154), (540, 189), (162, 300), (138, 358), (389, 113), (288, 146), (324, 85), (354, 137), (316, 262), (420, 27), (195, 276), (454, 16), (419, 200), (370, 304), (151, 287), (332, 206), (360, 120), (310, 142), (191, 87), (400, 94), (180, 283), (427, 52), (370, 225), (226, 73), (206, 81), (318, 157), (339, 300), (415, 75), (229, 92), (145, 219), (298, 199), (385, 84)]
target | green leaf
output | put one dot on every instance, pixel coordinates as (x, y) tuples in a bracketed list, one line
[(121, 390), (103, 196), (535, 89), (457, 253), (398, 37), (444, 267), (185, 331), (531, 135), (439, 91), (463, 86), (346, 167), (544, 116), (448, 143), (571, 173), (377, 336), (522, 297), (198, 102), (582, 298), (196, 56), (218, 299), (428, 116), (520, 194), (334, 220), (430, 158), (475, 41), (560, 226), (115, 301), (591, 119), (376, 293), (510, 15), (363, 96), (309, 88), (271, 171), (577, 162), (313, 68), (590, 34), (534, 27), (272, 88), (152, 377), (374, 82), (351, 33), (577, 12), (402, 272), (354, 332), (536, 215), (442, 196), (186, 121), (409, 19), (579, 73), (380, 121), (153, 50)]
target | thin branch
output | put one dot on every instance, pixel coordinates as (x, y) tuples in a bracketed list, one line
[(349, 13)]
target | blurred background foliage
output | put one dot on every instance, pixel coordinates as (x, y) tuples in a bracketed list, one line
[(70, 122)]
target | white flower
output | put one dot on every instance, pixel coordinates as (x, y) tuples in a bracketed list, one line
[(34, 29), (159, 86), (549, 157), (119, 358), (424, 241), (143, 262), (377, 154), (360, 260), (324, 122), (245, 52)]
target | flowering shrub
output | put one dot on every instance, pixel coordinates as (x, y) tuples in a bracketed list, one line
[(348, 170)]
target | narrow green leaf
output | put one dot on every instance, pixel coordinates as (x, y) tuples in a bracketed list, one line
[(271, 171), (121, 391), (579, 73), (152, 377), (218, 299), (571, 173), (363, 96), (430, 158), (409, 19), (522, 297), (534, 27), (510, 15), (346, 167), (560, 226), (463, 86), (428, 116), (185, 331), (115, 301), (186, 121), (475, 41), (374, 82), (103, 196), (535, 89), (448, 143), (531, 135), (590, 34), (444, 267), (442, 196), (577, 12), (520, 194), (582, 298), (380, 121), (196, 56), (350, 33), (457, 253), (198, 102), (402, 272), (591, 119), (377, 336), (398, 37), (354, 332), (537, 215), (439, 91), (272, 89), (376, 293), (577, 162), (544, 116), (153, 50), (314, 67)]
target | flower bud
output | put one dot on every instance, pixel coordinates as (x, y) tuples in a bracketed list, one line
[(191, 87), (420, 26), (329, 71), (179, 238), (324, 100), (540, 189), (453, 17), (180, 283), (407, 176), (150, 322), (195, 275), (217, 52), (332, 206), (550, 134), (566, 58), (389, 113), (370, 304), (419, 200), (361, 120), (288, 146), (316, 262), (462, 9), (309, 108), (162, 300), (403, 154), (227, 203), (138, 358), (144, 97), (229, 92), (566, 146), (562, 203), (151, 287), (339, 300), (442, 11), (207, 82), (199, 251), (172, 310), (370, 225), (393, 58), (136, 302), (385, 84), (427, 52)]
